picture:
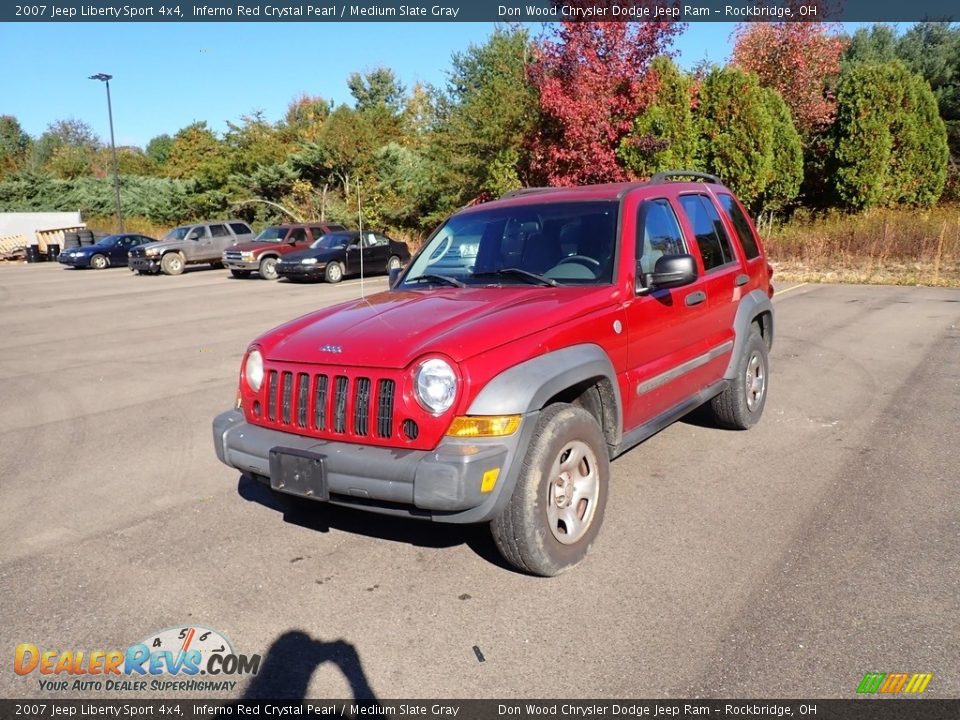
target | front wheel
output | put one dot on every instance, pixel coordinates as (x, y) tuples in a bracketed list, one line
[(393, 263), (334, 272), (557, 506), (740, 405), (98, 262), (268, 268), (172, 264)]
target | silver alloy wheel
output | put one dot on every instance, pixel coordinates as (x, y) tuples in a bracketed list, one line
[(335, 272), (393, 263), (573, 490), (268, 268), (175, 263), (99, 262), (756, 381)]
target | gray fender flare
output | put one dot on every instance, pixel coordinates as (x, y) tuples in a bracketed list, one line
[(528, 386), (752, 305)]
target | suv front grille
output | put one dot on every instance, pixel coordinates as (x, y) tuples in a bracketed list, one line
[(232, 255), (331, 404)]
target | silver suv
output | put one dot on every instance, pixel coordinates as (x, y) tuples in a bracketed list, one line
[(190, 244)]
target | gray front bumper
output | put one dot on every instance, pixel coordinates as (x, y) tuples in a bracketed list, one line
[(251, 265), (441, 484)]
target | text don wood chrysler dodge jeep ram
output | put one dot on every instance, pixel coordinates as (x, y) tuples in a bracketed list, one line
[(531, 340)]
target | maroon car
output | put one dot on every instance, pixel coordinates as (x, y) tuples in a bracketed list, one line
[(262, 254)]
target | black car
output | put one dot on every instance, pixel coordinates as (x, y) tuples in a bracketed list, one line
[(338, 253), (110, 251)]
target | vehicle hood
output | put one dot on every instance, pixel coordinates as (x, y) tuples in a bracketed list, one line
[(141, 250), (255, 246), (318, 253), (392, 329)]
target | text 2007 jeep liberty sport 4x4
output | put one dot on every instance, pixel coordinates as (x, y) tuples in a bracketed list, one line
[(531, 340)]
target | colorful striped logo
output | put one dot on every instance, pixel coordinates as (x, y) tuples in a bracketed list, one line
[(893, 683)]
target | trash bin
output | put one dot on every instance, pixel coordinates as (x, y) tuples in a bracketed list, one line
[(53, 252), (33, 253)]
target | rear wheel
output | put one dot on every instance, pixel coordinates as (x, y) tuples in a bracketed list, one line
[(268, 268), (171, 264), (216, 265), (240, 273), (740, 406), (557, 506), (393, 263), (334, 272), (98, 262)]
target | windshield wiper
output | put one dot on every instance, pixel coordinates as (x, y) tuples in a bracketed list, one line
[(429, 277), (521, 273)]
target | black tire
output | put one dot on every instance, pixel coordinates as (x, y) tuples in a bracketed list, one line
[(740, 406), (394, 263), (268, 268), (333, 273), (99, 262), (172, 264), (529, 529), (240, 273), (216, 265)]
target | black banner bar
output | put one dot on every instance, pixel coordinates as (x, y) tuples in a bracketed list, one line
[(477, 11), (854, 709)]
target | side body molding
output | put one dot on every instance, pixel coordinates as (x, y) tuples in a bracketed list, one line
[(752, 305), (528, 386)]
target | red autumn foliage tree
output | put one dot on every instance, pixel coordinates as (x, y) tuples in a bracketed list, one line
[(800, 60), (593, 81)]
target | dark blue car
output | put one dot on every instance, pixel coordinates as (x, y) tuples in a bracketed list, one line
[(110, 251)]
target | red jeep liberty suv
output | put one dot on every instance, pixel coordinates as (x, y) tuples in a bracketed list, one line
[(530, 341)]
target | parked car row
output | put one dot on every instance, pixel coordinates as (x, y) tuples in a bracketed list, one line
[(308, 251)]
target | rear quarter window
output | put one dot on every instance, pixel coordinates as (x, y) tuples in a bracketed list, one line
[(241, 229), (742, 226)]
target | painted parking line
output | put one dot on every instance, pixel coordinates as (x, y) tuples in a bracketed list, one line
[(778, 293)]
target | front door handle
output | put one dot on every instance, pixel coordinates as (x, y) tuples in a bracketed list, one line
[(695, 298), (741, 280)]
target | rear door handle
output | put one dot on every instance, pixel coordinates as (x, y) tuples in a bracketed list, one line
[(741, 280), (695, 298)]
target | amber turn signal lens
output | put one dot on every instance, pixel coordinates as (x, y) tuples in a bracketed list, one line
[(239, 399), (476, 426)]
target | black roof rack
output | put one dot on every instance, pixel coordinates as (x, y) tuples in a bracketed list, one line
[(663, 177)]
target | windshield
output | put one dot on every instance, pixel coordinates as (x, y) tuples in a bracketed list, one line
[(109, 241), (567, 243), (177, 233), (271, 234), (331, 241)]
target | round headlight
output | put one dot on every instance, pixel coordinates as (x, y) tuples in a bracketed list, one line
[(253, 370), (436, 385)]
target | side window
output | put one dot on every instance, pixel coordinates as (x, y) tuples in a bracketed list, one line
[(219, 231), (382, 239), (317, 232), (297, 235), (200, 231), (658, 234), (240, 229), (708, 228), (741, 225)]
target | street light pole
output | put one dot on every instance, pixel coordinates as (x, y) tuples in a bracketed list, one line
[(113, 148)]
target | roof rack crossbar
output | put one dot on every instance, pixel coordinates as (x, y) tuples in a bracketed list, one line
[(663, 177)]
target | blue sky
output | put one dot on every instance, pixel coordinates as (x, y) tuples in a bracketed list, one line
[(167, 75)]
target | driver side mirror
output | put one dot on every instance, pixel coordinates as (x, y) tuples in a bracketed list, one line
[(670, 271), (393, 277)]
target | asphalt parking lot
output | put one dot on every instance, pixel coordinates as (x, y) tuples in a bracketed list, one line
[(782, 562)]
